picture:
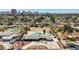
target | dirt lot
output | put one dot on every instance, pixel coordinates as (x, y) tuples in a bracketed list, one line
[(39, 29)]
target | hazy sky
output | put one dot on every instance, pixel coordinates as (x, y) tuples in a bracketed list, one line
[(47, 10)]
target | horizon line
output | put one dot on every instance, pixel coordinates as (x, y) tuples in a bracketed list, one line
[(45, 10)]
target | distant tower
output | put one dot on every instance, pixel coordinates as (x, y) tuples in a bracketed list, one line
[(29, 12), (23, 13), (19, 13), (13, 12)]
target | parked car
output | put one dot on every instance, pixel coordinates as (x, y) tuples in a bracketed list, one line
[(74, 46)]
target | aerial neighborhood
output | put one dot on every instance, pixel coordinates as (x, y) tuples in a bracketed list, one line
[(21, 30)]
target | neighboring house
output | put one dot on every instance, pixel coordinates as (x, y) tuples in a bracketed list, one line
[(11, 38), (37, 36)]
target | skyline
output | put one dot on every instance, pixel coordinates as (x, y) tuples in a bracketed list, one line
[(46, 10)]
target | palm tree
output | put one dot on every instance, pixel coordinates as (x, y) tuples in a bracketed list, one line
[(44, 31), (24, 31)]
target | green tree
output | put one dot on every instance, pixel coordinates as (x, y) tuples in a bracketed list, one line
[(68, 28), (40, 19), (52, 18)]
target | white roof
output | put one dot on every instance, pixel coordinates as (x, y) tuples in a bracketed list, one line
[(37, 35), (76, 27), (9, 37)]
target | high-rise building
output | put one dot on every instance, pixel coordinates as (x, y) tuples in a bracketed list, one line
[(29, 12), (13, 12), (18, 13), (23, 13)]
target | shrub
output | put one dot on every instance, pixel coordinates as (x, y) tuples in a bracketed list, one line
[(1, 47), (72, 39)]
